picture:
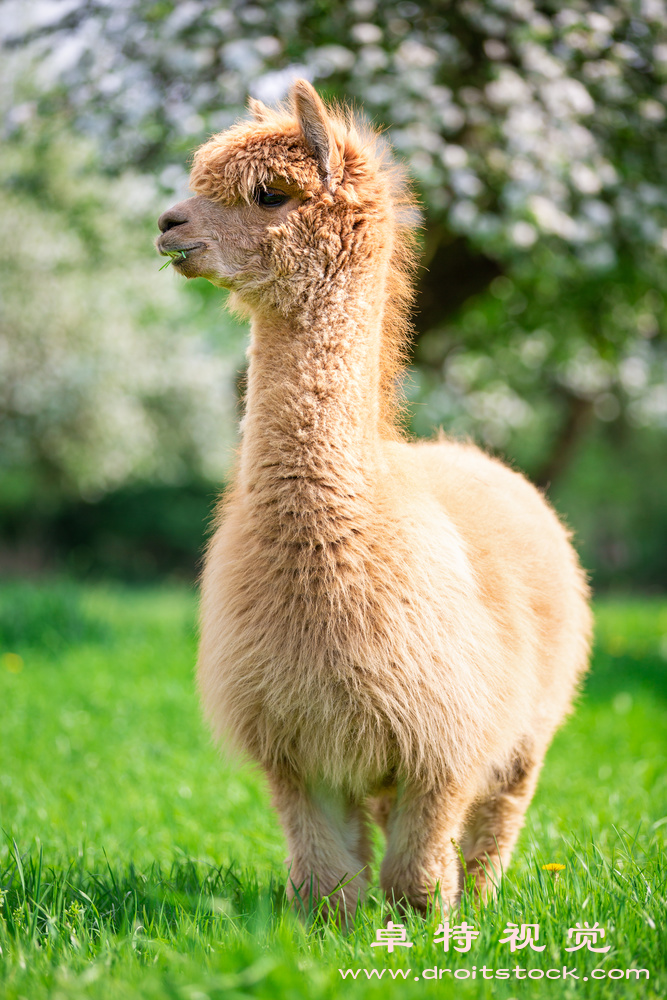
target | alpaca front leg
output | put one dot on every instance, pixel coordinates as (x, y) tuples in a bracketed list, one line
[(329, 844), (421, 864)]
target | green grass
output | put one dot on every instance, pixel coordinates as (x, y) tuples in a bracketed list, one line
[(134, 863), (172, 255)]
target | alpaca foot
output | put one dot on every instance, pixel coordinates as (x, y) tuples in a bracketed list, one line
[(493, 824), (436, 888), (329, 843), (422, 867)]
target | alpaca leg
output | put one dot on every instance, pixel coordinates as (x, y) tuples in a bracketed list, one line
[(380, 807), (493, 826), (329, 844), (421, 864)]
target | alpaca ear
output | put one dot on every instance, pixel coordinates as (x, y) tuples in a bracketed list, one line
[(316, 127), (258, 110)]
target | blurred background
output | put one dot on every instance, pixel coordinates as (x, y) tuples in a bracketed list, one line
[(536, 135)]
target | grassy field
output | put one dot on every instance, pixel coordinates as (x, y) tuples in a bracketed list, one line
[(135, 864)]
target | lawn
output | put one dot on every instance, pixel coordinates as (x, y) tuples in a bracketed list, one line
[(135, 863)]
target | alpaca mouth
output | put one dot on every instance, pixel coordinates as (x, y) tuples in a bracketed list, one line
[(177, 255)]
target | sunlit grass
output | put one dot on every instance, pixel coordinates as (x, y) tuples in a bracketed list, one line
[(135, 863)]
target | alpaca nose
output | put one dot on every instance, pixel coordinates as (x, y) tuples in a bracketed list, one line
[(171, 218)]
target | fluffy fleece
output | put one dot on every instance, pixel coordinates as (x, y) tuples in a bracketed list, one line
[(392, 630)]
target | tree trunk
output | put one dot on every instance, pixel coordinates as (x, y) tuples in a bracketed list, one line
[(577, 418)]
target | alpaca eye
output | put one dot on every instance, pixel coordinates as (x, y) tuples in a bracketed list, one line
[(270, 199)]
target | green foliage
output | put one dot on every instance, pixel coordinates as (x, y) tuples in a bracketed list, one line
[(514, 358), (143, 532), (110, 374), (535, 135), (613, 497), (136, 864)]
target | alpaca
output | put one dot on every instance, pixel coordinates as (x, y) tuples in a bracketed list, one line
[(392, 630)]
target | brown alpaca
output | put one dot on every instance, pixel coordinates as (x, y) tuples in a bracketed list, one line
[(389, 629)]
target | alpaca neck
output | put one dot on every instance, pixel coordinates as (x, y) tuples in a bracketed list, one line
[(311, 431)]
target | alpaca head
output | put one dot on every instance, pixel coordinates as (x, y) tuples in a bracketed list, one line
[(289, 205)]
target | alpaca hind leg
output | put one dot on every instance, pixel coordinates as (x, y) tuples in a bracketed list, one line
[(421, 865), (380, 808), (329, 845), (493, 826)]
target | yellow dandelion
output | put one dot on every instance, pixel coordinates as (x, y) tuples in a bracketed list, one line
[(554, 868)]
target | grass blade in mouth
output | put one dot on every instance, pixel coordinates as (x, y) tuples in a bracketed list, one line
[(173, 255)]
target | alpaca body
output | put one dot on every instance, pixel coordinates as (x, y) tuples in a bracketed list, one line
[(370, 653), (388, 629)]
